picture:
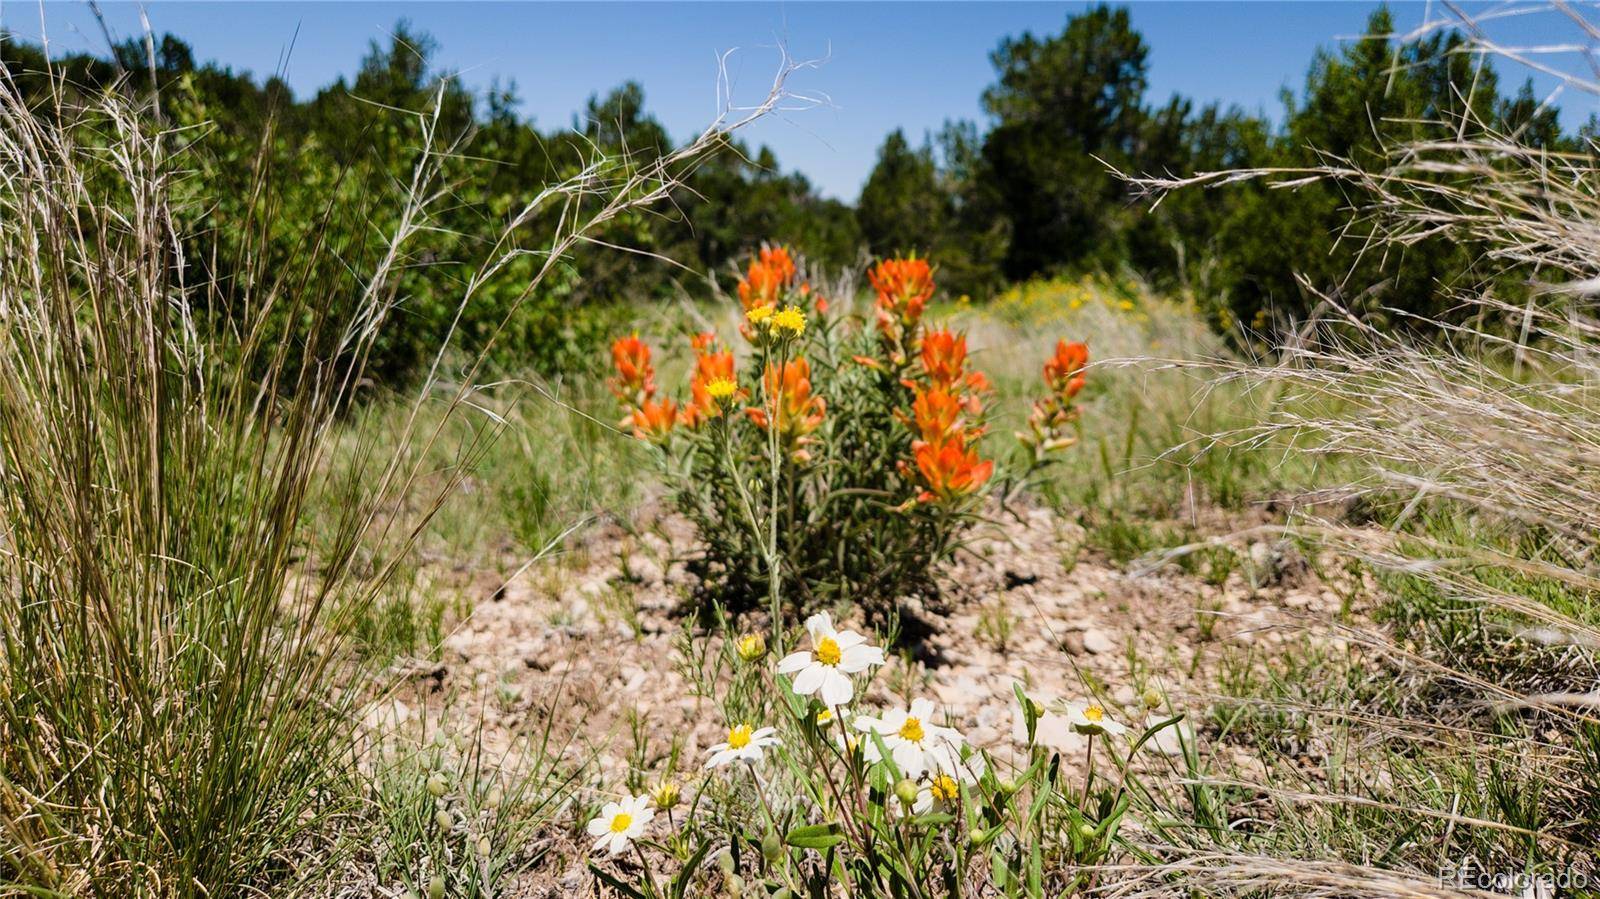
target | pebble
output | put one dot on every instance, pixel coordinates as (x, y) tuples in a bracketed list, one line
[(1098, 642)]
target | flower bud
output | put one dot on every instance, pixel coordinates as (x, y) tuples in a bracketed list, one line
[(1009, 786), (771, 846), (982, 838), (443, 819), (483, 847), (437, 785), (665, 795), (1152, 698), (752, 647), (1086, 830), (906, 791), (436, 887), (735, 885), (495, 797)]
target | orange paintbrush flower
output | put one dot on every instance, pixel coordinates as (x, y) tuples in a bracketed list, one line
[(653, 420), (636, 378), (949, 469), (936, 414), (779, 260), (704, 404), (1063, 372), (798, 412), (765, 280), (904, 287), (944, 357)]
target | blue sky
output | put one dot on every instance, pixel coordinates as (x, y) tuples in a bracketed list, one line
[(884, 65)]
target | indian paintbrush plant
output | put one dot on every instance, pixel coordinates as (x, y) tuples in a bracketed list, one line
[(830, 456)]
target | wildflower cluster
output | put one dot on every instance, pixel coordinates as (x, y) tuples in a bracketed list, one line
[(827, 456), (843, 798)]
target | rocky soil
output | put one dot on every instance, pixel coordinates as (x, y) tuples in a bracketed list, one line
[(593, 638)]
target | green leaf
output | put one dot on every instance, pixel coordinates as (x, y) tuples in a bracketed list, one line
[(816, 836), (685, 876)]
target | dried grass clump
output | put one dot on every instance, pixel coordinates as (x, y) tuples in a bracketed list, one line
[(1463, 727), (175, 667)]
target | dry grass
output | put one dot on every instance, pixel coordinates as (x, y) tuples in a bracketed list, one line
[(1463, 724), (175, 639)]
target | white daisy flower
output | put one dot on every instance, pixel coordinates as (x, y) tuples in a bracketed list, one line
[(834, 656), (1092, 719), (743, 745), (941, 794), (947, 759), (620, 823), (1052, 730), (914, 742)]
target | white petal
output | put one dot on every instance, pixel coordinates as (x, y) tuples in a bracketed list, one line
[(860, 658), (820, 625), (763, 733), (847, 639), (909, 759), (836, 689), (619, 843), (865, 723), (601, 843), (810, 679), (922, 709), (599, 826), (793, 662), (893, 721), (719, 759)]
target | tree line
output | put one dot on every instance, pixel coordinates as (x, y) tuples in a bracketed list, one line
[(1028, 192), (1033, 195)]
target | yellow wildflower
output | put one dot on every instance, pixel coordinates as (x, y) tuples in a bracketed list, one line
[(790, 319)]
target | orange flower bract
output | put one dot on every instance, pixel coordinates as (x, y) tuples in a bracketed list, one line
[(654, 420), (935, 414), (1063, 372), (949, 469), (708, 367), (636, 378), (798, 411), (769, 274), (904, 287), (944, 357)]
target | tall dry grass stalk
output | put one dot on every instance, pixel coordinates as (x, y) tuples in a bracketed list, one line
[(175, 684), (1465, 724)]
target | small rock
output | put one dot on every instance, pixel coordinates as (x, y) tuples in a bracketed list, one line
[(1170, 740), (1098, 642), (1073, 643)]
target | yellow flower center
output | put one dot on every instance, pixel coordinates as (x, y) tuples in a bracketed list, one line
[(621, 822), (759, 314), (828, 652), (1094, 713), (944, 788), (825, 716), (721, 389), (912, 730), (739, 737)]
